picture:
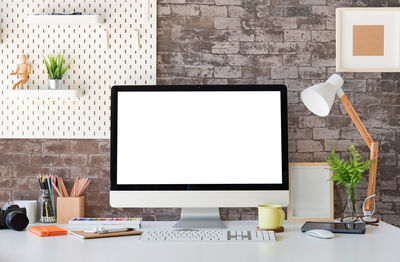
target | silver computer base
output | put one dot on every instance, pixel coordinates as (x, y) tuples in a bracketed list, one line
[(200, 218)]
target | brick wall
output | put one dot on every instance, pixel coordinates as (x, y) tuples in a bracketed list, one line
[(240, 42)]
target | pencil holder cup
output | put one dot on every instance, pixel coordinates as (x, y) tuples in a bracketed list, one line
[(68, 208), (46, 207)]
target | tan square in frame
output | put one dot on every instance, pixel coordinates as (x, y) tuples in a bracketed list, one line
[(368, 40)]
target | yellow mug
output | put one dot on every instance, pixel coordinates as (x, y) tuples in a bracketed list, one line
[(270, 216)]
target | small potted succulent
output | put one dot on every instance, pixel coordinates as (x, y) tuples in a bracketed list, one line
[(55, 70)]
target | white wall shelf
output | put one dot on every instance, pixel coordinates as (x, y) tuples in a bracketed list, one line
[(66, 19), (45, 93)]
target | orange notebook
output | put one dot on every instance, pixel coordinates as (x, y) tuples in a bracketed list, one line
[(48, 231)]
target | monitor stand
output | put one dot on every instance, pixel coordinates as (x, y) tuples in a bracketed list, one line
[(200, 218)]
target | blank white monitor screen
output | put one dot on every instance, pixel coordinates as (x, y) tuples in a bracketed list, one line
[(208, 137)]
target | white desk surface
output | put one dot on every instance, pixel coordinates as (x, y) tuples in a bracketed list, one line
[(377, 244)]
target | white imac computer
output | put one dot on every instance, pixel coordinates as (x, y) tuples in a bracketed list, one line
[(199, 148)]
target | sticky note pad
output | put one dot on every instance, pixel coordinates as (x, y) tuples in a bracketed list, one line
[(368, 40), (47, 231)]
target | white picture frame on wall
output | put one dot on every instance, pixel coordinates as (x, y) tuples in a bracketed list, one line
[(310, 192), (346, 21)]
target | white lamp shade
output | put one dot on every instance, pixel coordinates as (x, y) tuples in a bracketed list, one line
[(319, 98)]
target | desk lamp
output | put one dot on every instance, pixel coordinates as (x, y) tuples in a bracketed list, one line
[(319, 100)]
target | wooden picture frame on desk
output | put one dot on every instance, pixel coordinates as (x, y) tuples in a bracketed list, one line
[(310, 192)]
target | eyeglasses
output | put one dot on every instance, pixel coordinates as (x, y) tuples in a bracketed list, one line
[(369, 220)]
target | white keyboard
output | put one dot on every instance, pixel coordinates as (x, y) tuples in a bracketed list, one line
[(207, 235)]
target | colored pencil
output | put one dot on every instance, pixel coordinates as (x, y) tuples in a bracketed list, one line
[(50, 193), (55, 187)]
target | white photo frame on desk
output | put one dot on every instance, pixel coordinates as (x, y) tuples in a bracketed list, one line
[(310, 192), (381, 31)]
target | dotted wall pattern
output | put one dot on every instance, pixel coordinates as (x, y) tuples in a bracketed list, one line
[(122, 51)]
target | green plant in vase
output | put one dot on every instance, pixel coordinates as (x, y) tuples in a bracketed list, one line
[(55, 70), (349, 173)]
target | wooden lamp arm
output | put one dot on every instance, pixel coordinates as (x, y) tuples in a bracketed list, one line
[(370, 203), (356, 120), (373, 147)]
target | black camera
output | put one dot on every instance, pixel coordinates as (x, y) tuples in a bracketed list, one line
[(14, 217)]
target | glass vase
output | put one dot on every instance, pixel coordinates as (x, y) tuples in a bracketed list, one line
[(46, 208), (350, 212)]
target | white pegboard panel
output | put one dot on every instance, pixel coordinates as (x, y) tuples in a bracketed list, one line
[(122, 51)]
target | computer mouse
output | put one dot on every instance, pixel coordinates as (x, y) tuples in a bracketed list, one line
[(320, 233)]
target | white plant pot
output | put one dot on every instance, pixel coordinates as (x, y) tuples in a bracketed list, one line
[(55, 84)]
